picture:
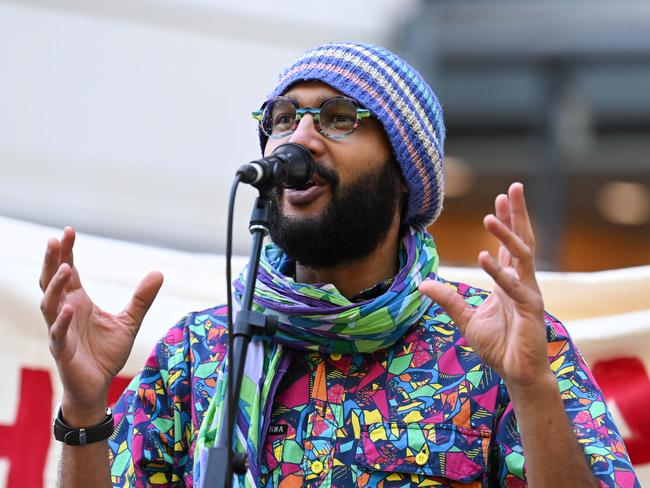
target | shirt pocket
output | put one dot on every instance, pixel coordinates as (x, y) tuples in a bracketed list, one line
[(443, 451)]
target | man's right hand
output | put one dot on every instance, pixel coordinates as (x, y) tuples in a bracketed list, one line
[(90, 346)]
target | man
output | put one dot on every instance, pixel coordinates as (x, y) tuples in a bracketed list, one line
[(381, 373)]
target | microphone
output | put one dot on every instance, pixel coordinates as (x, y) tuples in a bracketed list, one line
[(290, 165)]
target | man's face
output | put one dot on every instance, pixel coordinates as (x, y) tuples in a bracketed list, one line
[(366, 149), (355, 196)]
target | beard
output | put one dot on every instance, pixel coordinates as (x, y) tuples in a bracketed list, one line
[(351, 226)]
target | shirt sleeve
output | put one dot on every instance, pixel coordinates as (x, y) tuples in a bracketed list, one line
[(585, 406), (152, 421)]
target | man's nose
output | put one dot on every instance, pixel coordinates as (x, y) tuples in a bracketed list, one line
[(307, 135), (306, 123)]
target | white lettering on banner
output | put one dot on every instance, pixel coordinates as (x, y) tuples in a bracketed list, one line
[(619, 420)]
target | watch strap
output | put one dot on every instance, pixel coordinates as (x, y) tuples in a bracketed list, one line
[(84, 435)]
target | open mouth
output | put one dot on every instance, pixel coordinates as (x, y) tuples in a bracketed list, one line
[(315, 180), (306, 186), (307, 193)]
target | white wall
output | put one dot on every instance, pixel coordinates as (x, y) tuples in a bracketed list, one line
[(129, 118)]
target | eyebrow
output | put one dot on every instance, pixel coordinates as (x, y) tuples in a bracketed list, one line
[(319, 99)]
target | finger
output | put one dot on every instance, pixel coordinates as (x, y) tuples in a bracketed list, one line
[(520, 220), (59, 330), (508, 282), (67, 243), (513, 243), (53, 293), (143, 297), (504, 257), (502, 210), (449, 299), (515, 247), (50, 262)]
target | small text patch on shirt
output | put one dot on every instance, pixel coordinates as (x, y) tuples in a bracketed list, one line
[(278, 429)]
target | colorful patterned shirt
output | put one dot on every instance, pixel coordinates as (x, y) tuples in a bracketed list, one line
[(424, 412)]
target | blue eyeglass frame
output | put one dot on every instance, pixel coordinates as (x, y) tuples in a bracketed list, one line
[(258, 115)]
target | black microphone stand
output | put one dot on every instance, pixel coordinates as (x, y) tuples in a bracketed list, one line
[(221, 461)]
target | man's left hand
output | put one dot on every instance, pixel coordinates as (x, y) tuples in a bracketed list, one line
[(507, 330)]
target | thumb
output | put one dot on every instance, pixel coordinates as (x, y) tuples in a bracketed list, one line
[(143, 297), (449, 299)]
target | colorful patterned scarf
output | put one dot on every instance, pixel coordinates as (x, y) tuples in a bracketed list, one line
[(312, 317)]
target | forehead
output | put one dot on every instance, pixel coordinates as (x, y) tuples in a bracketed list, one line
[(311, 93)]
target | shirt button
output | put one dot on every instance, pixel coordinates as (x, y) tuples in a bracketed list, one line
[(317, 467), (335, 356), (421, 459)]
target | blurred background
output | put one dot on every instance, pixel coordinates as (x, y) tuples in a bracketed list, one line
[(556, 94), (128, 118)]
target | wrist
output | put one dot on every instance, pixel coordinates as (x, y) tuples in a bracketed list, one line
[(79, 414), (539, 388), (82, 436)]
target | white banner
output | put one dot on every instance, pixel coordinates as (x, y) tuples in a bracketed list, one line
[(607, 313)]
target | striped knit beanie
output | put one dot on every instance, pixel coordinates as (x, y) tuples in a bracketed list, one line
[(399, 98)]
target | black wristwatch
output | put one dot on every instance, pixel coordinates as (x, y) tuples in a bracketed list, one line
[(86, 435)]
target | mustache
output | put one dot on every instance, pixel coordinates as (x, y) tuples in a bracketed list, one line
[(324, 173), (327, 174)]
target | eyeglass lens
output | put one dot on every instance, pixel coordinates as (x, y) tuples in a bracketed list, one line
[(336, 117)]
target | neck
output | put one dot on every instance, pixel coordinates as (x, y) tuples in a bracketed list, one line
[(354, 277)]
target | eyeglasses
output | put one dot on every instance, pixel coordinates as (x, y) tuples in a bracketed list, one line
[(335, 118)]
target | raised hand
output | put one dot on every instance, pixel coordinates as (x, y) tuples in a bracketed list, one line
[(90, 346), (507, 330)]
